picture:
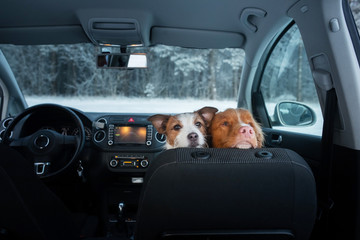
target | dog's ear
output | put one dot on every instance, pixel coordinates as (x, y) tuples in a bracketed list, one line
[(207, 113), (159, 121)]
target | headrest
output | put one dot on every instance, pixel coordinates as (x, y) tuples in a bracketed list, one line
[(238, 190)]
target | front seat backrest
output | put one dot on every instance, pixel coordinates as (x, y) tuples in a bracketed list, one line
[(227, 194)]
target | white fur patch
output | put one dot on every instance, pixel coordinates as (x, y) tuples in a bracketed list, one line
[(239, 118), (187, 121)]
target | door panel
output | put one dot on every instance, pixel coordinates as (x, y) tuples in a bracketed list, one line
[(308, 146)]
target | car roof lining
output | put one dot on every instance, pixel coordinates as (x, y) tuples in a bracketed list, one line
[(199, 21)]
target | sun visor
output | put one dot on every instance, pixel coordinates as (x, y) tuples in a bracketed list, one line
[(196, 38), (43, 35)]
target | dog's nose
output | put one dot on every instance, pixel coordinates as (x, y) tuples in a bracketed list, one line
[(193, 136), (247, 131)]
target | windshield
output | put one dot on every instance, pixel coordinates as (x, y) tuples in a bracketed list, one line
[(176, 80)]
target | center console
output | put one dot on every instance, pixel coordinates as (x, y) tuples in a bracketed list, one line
[(129, 142), (126, 145)]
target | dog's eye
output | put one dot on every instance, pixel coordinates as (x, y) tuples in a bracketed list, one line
[(198, 124), (177, 127), (225, 123)]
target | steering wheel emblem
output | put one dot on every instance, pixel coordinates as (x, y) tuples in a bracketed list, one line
[(41, 141)]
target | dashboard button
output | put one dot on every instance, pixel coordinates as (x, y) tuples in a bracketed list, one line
[(144, 163), (113, 163)]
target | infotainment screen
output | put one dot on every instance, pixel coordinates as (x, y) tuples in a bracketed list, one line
[(129, 134)]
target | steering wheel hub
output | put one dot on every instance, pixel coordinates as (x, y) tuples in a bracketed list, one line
[(41, 141)]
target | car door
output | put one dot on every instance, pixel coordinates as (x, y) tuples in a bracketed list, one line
[(284, 98)]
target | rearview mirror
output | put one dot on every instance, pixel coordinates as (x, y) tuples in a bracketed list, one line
[(289, 113), (123, 60)]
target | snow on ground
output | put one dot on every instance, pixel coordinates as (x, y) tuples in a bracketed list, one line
[(132, 105)]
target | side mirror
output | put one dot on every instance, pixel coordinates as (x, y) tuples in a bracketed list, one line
[(289, 113), (122, 61)]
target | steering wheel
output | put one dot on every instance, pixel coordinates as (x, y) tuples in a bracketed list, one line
[(48, 149)]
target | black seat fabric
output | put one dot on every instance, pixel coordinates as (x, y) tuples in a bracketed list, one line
[(227, 194)]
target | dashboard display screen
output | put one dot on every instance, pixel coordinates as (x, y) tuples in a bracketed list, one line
[(129, 134)]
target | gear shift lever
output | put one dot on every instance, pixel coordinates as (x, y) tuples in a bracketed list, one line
[(121, 209)]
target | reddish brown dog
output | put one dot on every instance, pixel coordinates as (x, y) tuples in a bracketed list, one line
[(236, 128)]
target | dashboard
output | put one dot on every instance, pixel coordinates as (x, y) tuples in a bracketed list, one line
[(114, 143)]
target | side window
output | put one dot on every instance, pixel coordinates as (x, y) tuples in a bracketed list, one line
[(288, 88)]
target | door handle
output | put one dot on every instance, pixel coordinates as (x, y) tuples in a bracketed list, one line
[(276, 139)]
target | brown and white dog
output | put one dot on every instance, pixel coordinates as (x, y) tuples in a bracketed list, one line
[(185, 129), (236, 128)]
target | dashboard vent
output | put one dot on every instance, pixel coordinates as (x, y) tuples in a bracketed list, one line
[(5, 124), (161, 138), (100, 123), (99, 136)]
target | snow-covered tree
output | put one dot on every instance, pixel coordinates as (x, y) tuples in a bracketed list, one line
[(150, 90)]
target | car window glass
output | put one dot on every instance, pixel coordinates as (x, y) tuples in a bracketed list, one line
[(288, 88), (355, 9), (176, 79)]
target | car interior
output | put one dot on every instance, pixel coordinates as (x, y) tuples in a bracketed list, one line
[(70, 173)]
